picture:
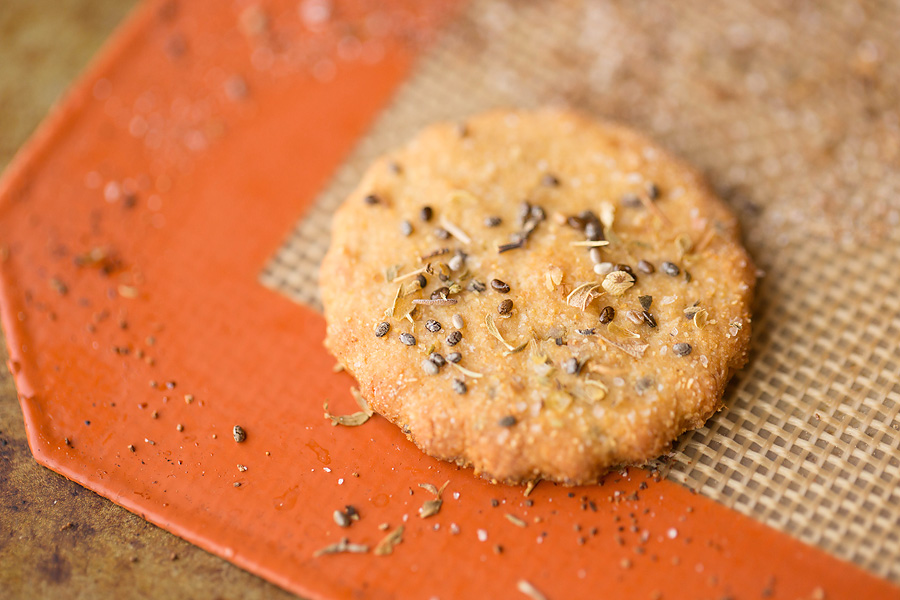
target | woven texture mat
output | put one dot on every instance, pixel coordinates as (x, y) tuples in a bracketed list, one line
[(791, 110)]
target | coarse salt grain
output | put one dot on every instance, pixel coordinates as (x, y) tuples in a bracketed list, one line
[(672, 533), (482, 535)]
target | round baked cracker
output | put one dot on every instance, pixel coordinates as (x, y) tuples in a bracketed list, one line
[(546, 390)]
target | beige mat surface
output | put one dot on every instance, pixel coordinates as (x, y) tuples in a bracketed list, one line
[(792, 111)]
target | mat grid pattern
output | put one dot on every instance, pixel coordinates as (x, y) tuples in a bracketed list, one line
[(792, 112)]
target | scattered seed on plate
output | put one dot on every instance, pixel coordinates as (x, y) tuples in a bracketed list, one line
[(426, 213), (670, 269), (645, 301), (371, 199), (682, 349), (454, 338), (652, 191), (382, 329), (430, 367), (239, 434), (505, 307), (441, 233), (421, 280), (457, 321), (500, 286), (454, 357), (459, 386), (492, 221), (441, 292), (406, 228), (341, 518), (408, 339), (596, 256), (648, 318), (437, 358), (571, 366), (432, 326)]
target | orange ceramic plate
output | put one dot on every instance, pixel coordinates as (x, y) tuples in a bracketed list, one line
[(132, 231)]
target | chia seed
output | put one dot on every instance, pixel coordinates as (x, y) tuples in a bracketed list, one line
[(426, 213), (507, 421), (505, 307), (454, 338), (430, 367), (670, 269), (408, 339), (454, 357), (492, 221), (437, 359), (459, 386), (382, 329), (432, 326), (682, 349), (645, 266), (500, 286), (607, 315)]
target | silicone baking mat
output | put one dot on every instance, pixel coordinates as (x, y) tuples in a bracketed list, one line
[(133, 230), (792, 111)]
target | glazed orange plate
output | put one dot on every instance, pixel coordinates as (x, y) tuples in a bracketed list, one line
[(134, 227)]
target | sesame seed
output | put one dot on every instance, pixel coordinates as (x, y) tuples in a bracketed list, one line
[(571, 366), (406, 228), (492, 221), (456, 263), (507, 421), (459, 386), (457, 321), (682, 349), (454, 357), (645, 266), (371, 199), (505, 307), (607, 315), (426, 213), (432, 326), (500, 286), (408, 339), (596, 256), (382, 329), (454, 338), (670, 269)]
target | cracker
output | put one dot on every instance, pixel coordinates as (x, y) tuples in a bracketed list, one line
[(589, 340)]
